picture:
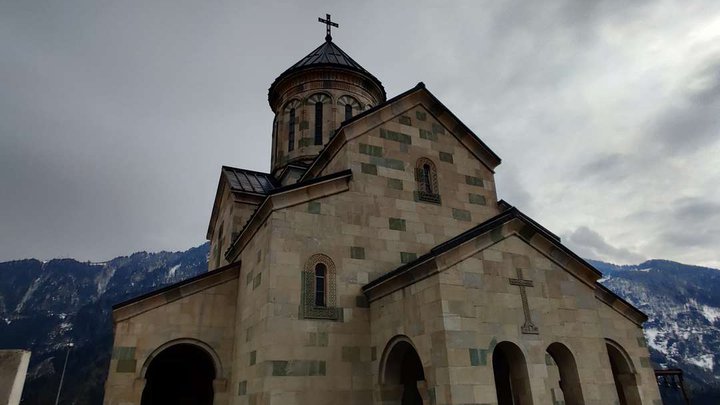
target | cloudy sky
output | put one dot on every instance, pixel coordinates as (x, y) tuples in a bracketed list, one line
[(115, 116)]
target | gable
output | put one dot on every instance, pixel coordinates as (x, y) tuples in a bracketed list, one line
[(512, 226)]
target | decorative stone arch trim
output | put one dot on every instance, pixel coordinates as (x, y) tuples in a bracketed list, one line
[(426, 180), (308, 308), (392, 343), (324, 98), (294, 103), (392, 372), (343, 100), (219, 373)]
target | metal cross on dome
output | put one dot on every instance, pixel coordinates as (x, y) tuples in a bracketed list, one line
[(328, 23)]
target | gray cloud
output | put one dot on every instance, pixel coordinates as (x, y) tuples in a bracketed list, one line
[(592, 245)]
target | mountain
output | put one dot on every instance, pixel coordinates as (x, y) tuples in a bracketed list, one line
[(683, 330), (44, 305)]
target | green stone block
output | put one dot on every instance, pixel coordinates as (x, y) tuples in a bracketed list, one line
[(474, 357), (446, 157), (397, 224), (322, 368), (368, 168), (483, 356), (474, 181), (242, 387), (405, 120), (257, 280), (389, 163), (549, 360), (395, 184), (361, 301), (371, 150), (322, 339), (407, 257), (373, 353), (357, 252), (249, 278), (492, 344), (477, 199), (124, 352), (253, 357), (438, 129), (395, 136), (304, 125), (641, 341), (314, 207), (126, 366), (425, 134), (461, 215), (279, 368), (420, 115)]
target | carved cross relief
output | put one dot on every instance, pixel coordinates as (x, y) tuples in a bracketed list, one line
[(528, 327)]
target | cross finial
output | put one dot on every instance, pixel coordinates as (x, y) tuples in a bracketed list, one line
[(328, 23)]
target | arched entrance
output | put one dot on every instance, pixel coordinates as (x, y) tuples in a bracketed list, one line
[(623, 374), (180, 374), (565, 375), (402, 376), (512, 383)]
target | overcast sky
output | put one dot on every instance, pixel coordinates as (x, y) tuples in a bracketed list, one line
[(115, 116)]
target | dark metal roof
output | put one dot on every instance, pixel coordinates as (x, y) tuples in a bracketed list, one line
[(249, 181), (328, 55)]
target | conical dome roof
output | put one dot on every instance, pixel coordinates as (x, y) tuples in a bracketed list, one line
[(328, 54)]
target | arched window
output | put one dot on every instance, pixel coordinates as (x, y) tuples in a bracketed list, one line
[(318, 100), (427, 183), (318, 289), (291, 130), (350, 104), (291, 111)]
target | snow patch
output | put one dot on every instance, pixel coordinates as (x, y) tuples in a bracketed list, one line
[(173, 269), (651, 335), (712, 314), (705, 361)]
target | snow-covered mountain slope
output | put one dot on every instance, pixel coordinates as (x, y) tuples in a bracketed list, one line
[(683, 306)]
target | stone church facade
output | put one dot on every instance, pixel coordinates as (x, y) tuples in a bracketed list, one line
[(375, 264)]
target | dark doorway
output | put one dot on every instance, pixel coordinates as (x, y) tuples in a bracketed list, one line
[(623, 375), (512, 383), (181, 374), (403, 371), (567, 370)]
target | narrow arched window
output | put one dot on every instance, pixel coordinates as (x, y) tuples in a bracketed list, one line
[(349, 104), (427, 183), (318, 122), (318, 289), (320, 286), (291, 130)]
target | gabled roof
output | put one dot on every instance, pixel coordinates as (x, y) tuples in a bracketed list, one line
[(468, 138), (249, 181), (426, 262)]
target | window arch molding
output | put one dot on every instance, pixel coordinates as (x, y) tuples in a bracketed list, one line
[(290, 113), (426, 180), (312, 307), (350, 106)]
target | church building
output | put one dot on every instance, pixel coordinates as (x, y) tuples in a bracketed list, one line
[(374, 264)]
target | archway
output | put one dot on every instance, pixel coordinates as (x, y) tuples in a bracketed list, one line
[(402, 376), (512, 383), (564, 370), (623, 374), (180, 374)]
